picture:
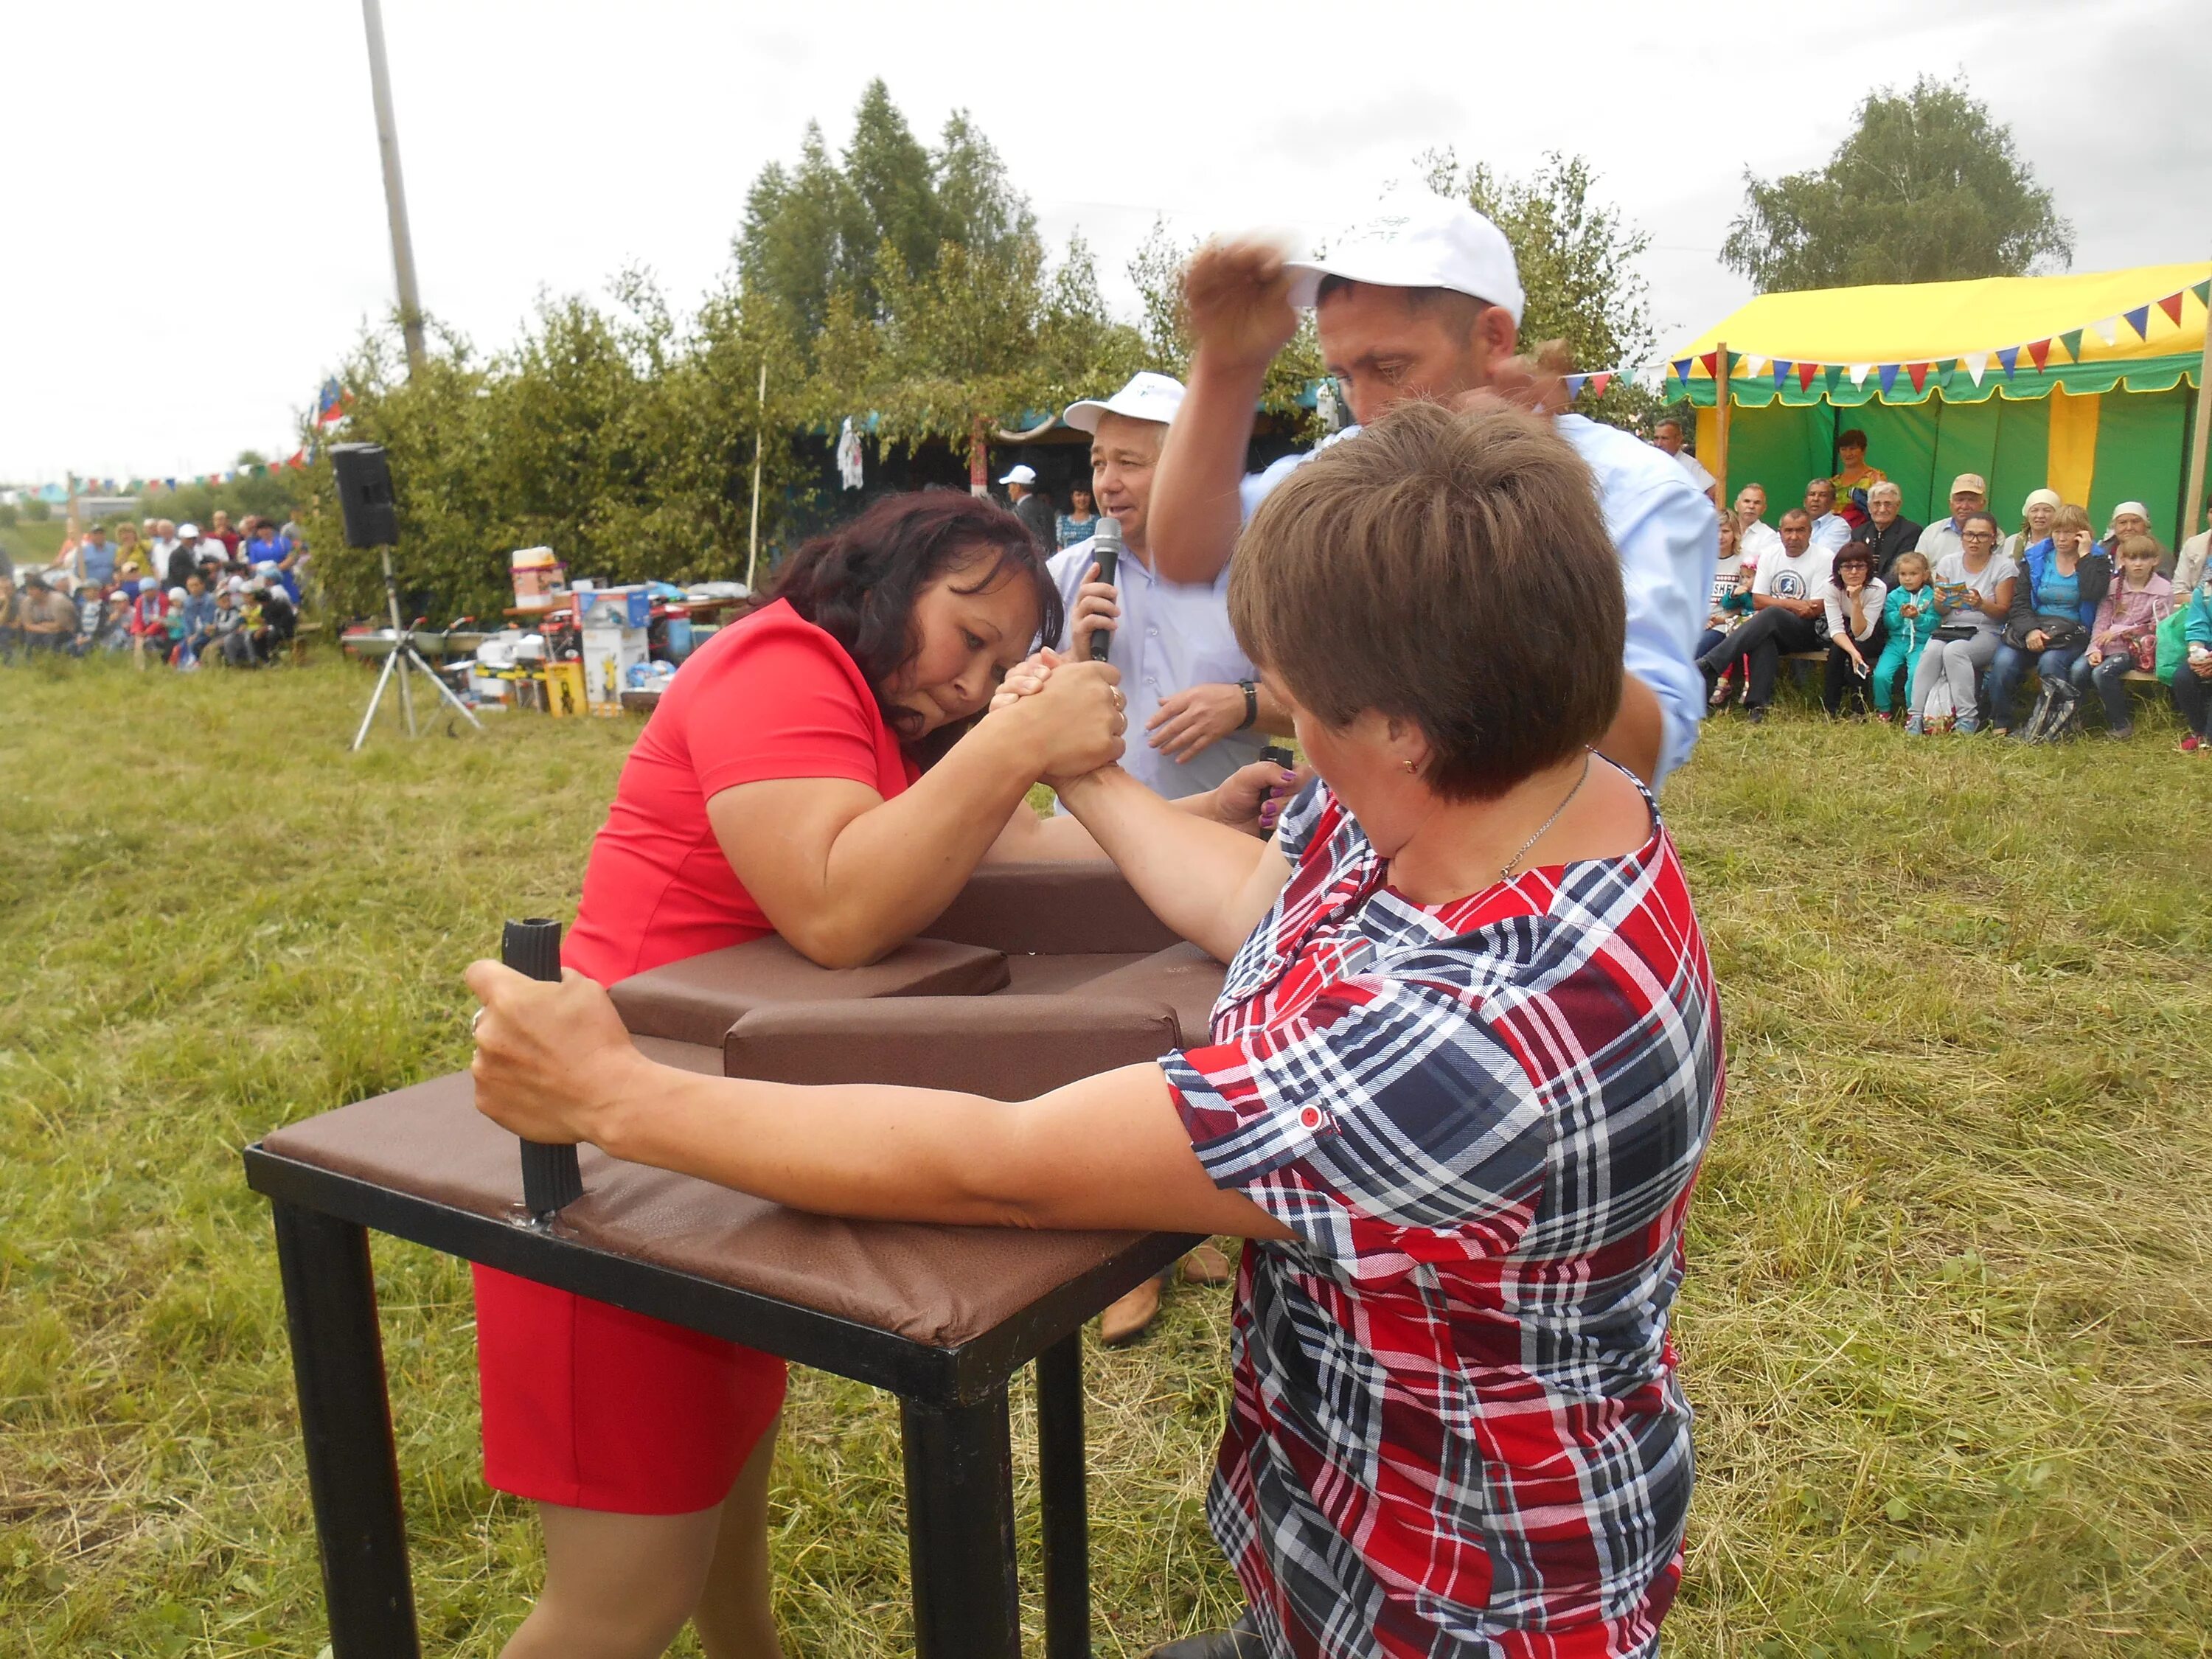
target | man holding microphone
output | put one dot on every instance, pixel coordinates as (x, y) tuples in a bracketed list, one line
[(1424, 300)]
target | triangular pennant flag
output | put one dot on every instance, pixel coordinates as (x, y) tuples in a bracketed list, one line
[(2203, 292), (1682, 371), (1805, 373), (1574, 386), (1754, 364), (2171, 307), (2108, 329), (2006, 358), (1859, 372), (1781, 367), (1599, 381), (1976, 363), (2039, 352), (2071, 339), (1711, 360), (2139, 320), (1888, 372), (1834, 375), (1919, 374)]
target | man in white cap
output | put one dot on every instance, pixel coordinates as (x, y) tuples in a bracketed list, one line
[(1970, 493), (1425, 301), (1033, 510)]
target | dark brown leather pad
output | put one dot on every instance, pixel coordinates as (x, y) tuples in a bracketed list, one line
[(1052, 907), (700, 998)]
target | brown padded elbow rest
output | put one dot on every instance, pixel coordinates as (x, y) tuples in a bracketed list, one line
[(700, 998), (1183, 976), (1051, 906), (1009, 1048)]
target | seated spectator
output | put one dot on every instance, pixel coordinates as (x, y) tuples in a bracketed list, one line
[(2124, 636), (1080, 522), (163, 544), (1666, 437), (149, 622), (226, 631), (2062, 583), (94, 561), (1970, 493), (2188, 565), (1755, 534), (188, 557), (132, 558), (11, 618), (1888, 533), (1831, 530), (1787, 613), (2133, 519), (1855, 480), (2192, 680), (47, 617), (1908, 618), (1852, 602), (261, 546), (194, 617), (277, 623), (1730, 602), (1973, 599), (219, 531), (2035, 515)]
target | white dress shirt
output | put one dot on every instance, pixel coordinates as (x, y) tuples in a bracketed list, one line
[(1173, 636), (1669, 539)]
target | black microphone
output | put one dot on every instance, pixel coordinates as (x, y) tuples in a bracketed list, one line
[(1106, 549), (550, 1178)]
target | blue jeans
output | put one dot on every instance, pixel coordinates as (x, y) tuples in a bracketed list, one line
[(2008, 666), (2109, 678)]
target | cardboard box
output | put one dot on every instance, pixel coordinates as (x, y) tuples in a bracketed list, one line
[(564, 688), (609, 655), (615, 607)]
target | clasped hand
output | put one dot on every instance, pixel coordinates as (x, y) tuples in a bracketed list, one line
[(1074, 713)]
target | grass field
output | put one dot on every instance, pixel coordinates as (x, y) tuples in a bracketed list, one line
[(1949, 1323)]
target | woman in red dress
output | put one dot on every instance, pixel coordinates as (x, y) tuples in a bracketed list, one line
[(781, 786)]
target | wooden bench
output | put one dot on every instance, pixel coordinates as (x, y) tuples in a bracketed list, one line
[(2136, 675)]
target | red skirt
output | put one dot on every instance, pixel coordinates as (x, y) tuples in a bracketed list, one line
[(593, 1408)]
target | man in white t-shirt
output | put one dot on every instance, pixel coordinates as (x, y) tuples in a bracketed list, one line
[(1424, 300), (1831, 529), (1786, 613), (1667, 439), (1754, 537)]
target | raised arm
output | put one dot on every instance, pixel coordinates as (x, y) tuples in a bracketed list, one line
[(553, 1063), (845, 875), (1238, 302)]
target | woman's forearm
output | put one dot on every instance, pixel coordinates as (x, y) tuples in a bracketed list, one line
[(1194, 874)]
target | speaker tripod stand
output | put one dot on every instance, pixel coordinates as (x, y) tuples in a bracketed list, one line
[(403, 659)]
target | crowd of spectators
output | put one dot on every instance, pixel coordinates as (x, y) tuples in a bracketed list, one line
[(165, 592), (1946, 623)]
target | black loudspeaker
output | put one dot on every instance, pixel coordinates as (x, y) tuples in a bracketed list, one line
[(365, 495)]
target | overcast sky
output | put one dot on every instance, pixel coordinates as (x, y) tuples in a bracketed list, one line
[(196, 228)]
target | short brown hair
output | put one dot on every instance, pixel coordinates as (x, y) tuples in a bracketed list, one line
[(2071, 517), (2138, 547), (1453, 570)]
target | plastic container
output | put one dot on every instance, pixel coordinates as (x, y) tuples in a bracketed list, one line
[(680, 642), (537, 575)]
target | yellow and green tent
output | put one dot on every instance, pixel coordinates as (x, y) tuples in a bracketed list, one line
[(2082, 384)]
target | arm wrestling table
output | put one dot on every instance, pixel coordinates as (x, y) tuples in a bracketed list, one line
[(1038, 975)]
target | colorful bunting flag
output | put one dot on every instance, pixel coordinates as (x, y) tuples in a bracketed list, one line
[(2108, 329), (1805, 373), (1781, 373), (1834, 374), (1919, 374), (1754, 364), (2203, 292), (2038, 353), (1888, 372), (1574, 386), (2071, 339), (1859, 372), (2139, 320), (1976, 363), (2171, 307), (1711, 360), (1682, 370), (2006, 358), (1599, 381)]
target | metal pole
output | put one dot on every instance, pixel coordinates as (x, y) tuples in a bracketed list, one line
[(960, 1529), (2192, 504), (1065, 1518), (395, 190), (760, 437)]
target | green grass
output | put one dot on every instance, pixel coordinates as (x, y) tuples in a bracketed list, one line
[(30, 542), (1949, 1323)]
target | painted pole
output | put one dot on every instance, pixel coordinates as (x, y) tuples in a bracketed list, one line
[(395, 189), (2192, 503), (1720, 424), (760, 438)]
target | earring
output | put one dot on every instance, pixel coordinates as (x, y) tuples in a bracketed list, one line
[(1410, 766)]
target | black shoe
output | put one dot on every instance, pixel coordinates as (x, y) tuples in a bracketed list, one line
[(1240, 1641), (1755, 713)]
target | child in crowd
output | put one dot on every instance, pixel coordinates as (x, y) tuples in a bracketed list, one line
[(150, 621), (1908, 617), (1731, 602), (2125, 634)]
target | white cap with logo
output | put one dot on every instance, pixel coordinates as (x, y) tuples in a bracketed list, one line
[(1021, 475), (1147, 397), (1419, 240)]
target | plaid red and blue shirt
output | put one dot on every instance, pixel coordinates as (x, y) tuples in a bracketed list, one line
[(1455, 1427)]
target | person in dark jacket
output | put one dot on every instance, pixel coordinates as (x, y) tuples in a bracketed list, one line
[(1034, 508), (1887, 532), (2064, 578)]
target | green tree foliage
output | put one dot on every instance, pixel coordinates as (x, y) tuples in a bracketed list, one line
[(1927, 188), (1157, 269)]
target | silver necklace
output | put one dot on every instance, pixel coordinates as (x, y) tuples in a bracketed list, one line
[(1506, 874)]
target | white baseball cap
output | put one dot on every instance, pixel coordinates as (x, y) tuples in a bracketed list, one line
[(1021, 475), (1419, 240), (1148, 396), (186, 532)]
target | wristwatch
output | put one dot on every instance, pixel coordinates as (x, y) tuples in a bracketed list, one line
[(1251, 704)]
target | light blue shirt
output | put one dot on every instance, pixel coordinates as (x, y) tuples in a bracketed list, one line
[(1830, 532), (1668, 534), (1173, 636)]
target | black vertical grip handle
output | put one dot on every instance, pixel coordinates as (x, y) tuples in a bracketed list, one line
[(1109, 561), (550, 1178)]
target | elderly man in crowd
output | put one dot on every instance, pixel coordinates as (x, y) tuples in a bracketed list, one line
[(1031, 508), (1666, 437), (1199, 701), (1754, 537), (1970, 493), (1425, 301), (1831, 529), (94, 561), (2190, 563), (1888, 533)]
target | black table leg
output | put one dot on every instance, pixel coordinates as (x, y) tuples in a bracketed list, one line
[(960, 1529), (1061, 1498), (353, 1476)]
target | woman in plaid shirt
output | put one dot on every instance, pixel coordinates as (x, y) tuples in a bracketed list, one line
[(1463, 1072)]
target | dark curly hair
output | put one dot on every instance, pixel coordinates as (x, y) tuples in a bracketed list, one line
[(858, 583)]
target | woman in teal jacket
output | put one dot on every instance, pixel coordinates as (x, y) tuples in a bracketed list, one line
[(2192, 680)]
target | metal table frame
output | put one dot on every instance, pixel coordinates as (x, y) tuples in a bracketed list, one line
[(952, 1406)]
